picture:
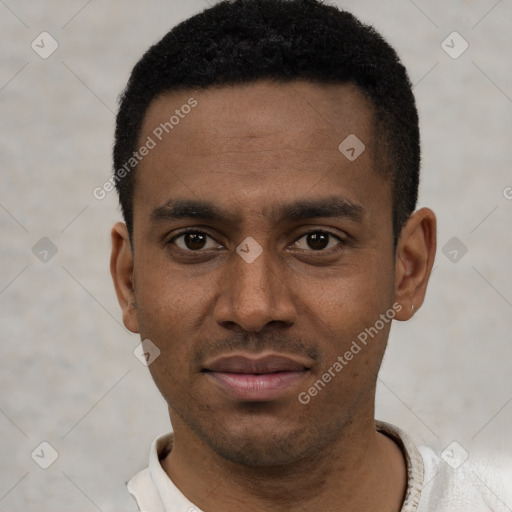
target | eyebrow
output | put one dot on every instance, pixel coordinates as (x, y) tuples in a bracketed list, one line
[(330, 207)]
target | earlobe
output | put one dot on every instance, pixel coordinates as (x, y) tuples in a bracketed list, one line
[(121, 269), (416, 250)]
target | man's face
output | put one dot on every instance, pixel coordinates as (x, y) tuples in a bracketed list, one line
[(314, 266)]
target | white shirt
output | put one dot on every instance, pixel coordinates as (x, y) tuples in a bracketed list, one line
[(448, 484)]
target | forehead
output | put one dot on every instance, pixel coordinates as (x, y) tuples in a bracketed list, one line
[(253, 143), (265, 109)]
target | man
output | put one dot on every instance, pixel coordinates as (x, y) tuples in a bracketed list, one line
[(267, 162)]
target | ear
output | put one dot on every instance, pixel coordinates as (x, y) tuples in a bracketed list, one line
[(415, 252), (121, 268)]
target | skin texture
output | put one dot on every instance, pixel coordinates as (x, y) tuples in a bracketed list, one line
[(248, 149)]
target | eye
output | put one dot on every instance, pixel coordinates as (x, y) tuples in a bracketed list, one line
[(194, 241), (317, 241)]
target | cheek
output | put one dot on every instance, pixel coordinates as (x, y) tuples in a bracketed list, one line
[(170, 313), (353, 346), (346, 315), (165, 296), (166, 327), (352, 299)]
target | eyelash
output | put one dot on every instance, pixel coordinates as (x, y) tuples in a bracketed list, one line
[(196, 231)]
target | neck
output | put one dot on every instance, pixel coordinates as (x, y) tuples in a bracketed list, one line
[(363, 470)]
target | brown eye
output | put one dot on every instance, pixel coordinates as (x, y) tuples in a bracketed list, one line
[(317, 241), (194, 241)]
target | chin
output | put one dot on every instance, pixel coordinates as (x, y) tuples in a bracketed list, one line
[(259, 453), (261, 443)]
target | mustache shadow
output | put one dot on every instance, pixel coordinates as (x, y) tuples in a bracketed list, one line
[(254, 344)]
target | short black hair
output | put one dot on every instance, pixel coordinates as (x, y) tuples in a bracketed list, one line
[(243, 41)]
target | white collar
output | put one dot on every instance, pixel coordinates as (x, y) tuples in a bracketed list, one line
[(154, 491)]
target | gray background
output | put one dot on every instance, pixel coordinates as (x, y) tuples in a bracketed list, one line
[(68, 375)]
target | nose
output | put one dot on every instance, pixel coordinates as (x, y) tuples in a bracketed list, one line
[(254, 294)]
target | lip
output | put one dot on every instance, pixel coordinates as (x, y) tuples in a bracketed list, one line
[(260, 378), (269, 363)]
